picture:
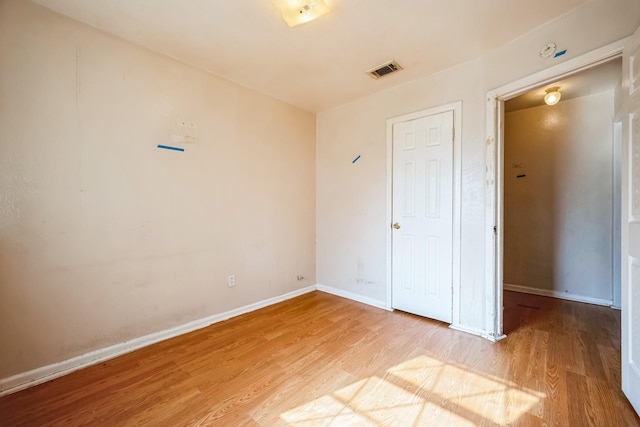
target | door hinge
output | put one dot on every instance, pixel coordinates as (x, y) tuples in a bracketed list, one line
[(495, 229), (453, 134)]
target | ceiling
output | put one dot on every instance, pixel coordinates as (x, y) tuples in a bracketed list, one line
[(601, 78), (323, 63)]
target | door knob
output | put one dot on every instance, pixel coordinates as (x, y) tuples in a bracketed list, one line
[(396, 226)]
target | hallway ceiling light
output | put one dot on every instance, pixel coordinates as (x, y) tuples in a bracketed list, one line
[(553, 96), (296, 12)]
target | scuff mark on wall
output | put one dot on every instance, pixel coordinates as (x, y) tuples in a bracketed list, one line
[(14, 191), (185, 132)]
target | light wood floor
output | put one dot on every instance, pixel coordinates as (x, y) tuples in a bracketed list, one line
[(323, 360)]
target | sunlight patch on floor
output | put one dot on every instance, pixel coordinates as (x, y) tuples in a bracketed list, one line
[(420, 391), (492, 398)]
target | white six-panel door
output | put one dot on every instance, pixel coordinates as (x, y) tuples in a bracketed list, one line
[(422, 239), (631, 222)]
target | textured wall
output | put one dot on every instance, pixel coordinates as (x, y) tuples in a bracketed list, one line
[(103, 236), (559, 217), (352, 203)]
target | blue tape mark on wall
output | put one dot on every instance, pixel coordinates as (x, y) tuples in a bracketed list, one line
[(562, 52), (355, 160), (168, 147)]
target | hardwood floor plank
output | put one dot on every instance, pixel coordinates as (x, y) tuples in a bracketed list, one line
[(323, 360), (578, 399), (556, 382)]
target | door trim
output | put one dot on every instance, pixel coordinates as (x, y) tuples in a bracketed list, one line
[(494, 164), (456, 107)]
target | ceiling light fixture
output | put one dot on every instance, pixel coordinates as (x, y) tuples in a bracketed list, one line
[(296, 12), (553, 96)]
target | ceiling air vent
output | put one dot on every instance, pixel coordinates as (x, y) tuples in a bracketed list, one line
[(383, 70)]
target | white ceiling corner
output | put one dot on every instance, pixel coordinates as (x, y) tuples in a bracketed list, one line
[(323, 63)]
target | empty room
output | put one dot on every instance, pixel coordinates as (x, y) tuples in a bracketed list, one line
[(301, 213)]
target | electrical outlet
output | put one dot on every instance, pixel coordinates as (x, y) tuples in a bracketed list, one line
[(231, 281)]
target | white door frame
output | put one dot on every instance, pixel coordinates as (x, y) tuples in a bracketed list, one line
[(456, 107), (494, 162)]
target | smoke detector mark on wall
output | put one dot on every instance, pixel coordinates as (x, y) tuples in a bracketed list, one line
[(548, 50), (183, 139), (384, 69), (187, 124)]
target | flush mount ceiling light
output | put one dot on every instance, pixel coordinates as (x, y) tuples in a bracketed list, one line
[(553, 96), (296, 12)]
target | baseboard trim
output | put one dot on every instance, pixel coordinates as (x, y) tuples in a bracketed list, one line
[(352, 296), (467, 330), (479, 332), (46, 373), (556, 294), (378, 304)]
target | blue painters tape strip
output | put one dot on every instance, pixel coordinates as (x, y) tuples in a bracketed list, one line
[(356, 159), (562, 52), (168, 147)]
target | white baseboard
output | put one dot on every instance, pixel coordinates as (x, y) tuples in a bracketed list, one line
[(466, 329), (479, 332), (40, 375), (352, 296), (378, 304), (556, 294)]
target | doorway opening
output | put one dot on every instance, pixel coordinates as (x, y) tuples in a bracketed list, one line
[(559, 185), (497, 170), (561, 192)]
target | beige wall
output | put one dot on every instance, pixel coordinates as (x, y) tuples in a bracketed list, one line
[(352, 226), (558, 218), (103, 236)]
